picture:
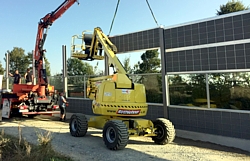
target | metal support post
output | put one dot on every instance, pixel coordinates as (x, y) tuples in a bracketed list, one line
[(163, 73), (85, 84), (7, 70), (65, 79), (1, 107), (208, 93)]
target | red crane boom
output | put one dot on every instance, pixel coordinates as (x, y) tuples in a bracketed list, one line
[(43, 27)]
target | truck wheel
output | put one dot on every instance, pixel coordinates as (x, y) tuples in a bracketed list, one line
[(78, 125), (115, 135), (165, 131)]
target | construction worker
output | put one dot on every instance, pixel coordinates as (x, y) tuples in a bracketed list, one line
[(28, 77), (62, 106), (17, 77)]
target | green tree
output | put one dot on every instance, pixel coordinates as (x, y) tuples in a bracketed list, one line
[(78, 67), (126, 65), (150, 63), (1, 68), (197, 85), (56, 81), (18, 60), (47, 67), (231, 6), (76, 70)]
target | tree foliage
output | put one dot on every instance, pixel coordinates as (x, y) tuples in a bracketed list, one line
[(18, 60), (1, 68), (126, 65), (47, 67), (150, 63), (231, 6), (78, 67)]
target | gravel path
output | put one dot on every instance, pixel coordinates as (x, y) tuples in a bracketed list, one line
[(91, 147)]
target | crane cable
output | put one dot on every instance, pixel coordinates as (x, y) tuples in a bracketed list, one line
[(118, 2), (117, 5), (152, 13)]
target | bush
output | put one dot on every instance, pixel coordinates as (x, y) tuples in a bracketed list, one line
[(154, 96), (18, 149)]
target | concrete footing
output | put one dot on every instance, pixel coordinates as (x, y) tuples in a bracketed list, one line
[(221, 140)]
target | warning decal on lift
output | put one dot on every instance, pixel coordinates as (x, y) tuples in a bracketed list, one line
[(125, 91), (128, 112)]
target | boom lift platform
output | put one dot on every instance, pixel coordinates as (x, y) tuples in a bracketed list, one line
[(118, 102)]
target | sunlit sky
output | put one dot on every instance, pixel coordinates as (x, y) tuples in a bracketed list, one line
[(19, 21)]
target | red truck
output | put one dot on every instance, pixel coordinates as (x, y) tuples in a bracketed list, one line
[(42, 98)]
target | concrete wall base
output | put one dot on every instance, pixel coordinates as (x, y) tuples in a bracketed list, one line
[(221, 140)]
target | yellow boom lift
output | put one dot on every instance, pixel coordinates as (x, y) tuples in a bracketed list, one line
[(118, 103)]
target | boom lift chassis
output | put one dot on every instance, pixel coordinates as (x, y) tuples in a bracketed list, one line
[(116, 100)]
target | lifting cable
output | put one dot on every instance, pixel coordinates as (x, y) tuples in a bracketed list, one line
[(117, 5), (152, 13), (114, 17)]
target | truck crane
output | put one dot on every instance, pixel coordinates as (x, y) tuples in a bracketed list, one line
[(41, 98), (117, 102)]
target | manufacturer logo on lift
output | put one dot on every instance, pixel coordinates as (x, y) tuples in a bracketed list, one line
[(128, 112)]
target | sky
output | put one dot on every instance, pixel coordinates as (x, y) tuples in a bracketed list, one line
[(19, 20)]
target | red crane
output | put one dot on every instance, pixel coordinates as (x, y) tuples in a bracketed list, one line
[(43, 27)]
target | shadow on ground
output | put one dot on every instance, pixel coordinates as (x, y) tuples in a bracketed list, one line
[(207, 145)]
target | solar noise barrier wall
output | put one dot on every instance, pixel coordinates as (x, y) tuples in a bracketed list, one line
[(218, 44), (137, 41)]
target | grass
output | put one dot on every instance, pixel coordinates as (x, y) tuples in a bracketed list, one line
[(18, 149)]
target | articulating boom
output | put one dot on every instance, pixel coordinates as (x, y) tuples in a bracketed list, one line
[(39, 56)]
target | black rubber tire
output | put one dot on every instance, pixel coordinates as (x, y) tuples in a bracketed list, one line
[(119, 130), (78, 125), (165, 131)]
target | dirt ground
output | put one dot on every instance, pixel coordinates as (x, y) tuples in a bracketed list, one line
[(91, 146)]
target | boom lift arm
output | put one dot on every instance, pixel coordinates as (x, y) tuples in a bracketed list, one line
[(39, 56), (94, 45)]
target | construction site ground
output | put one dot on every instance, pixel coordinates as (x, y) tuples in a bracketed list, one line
[(91, 146)]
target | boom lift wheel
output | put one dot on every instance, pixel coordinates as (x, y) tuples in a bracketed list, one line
[(165, 131), (115, 135), (78, 125)]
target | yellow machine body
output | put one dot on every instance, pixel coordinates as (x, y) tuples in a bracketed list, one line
[(113, 95), (117, 101), (112, 101)]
